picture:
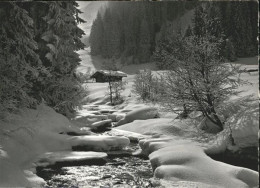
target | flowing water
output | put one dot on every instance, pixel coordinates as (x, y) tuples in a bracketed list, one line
[(119, 171)]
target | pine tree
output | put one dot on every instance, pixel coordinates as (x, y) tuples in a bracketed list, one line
[(96, 35), (58, 38), (19, 64), (240, 26), (107, 22), (207, 20), (115, 35), (38, 46), (145, 42), (123, 25)]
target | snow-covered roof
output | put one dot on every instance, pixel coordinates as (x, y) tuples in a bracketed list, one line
[(111, 73)]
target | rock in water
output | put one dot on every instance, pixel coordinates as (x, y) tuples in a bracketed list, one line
[(101, 125), (98, 143)]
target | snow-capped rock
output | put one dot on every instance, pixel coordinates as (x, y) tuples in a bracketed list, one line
[(98, 143), (245, 126), (69, 158), (139, 114), (87, 120), (133, 137), (101, 125)]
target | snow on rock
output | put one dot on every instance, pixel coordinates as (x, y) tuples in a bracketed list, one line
[(119, 116), (88, 119), (152, 144), (208, 126), (245, 127), (116, 116), (140, 114), (98, 143), (68, 158), (133, 137), (101, 125), (188, 162), (220, 143), (112, 117)]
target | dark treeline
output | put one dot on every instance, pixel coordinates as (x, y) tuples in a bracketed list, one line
[(37, 55), (127, 29)]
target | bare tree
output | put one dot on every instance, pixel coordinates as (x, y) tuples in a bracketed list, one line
[(115, 87), (198, 78), (143, 83)]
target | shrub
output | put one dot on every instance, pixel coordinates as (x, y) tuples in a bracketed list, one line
[(146, 86), (115, 90)]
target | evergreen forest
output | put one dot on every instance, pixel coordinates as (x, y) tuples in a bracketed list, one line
[(125, 29), (38, 55)]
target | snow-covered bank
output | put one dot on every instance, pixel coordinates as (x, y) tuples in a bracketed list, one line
[(27, 135), (186, 162), (177, 149), (182, 160)]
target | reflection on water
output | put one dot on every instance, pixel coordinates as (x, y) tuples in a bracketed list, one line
[(120, 171)]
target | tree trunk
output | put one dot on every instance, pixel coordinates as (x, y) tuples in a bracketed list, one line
[(212, 111), (110, 91)]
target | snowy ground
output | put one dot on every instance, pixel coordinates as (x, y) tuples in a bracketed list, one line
[(28, 135)]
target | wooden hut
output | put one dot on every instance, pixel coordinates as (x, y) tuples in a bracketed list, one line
[(108, 75)]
